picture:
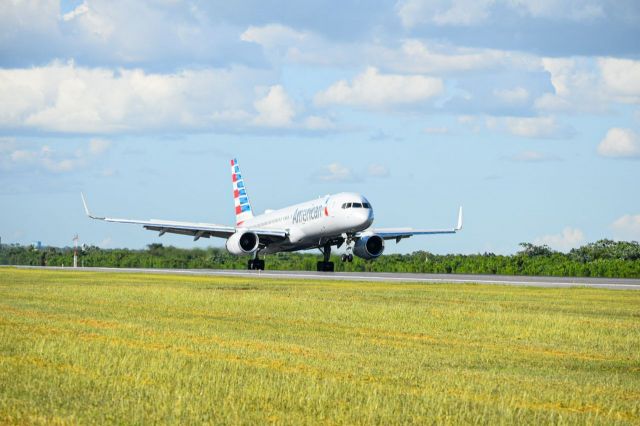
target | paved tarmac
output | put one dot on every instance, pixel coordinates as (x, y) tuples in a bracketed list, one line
[(608, 283)]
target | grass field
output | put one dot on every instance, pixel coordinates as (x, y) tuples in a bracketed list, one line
[(119, 348)]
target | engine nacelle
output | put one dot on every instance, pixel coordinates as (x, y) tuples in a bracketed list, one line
[(369, 246), (242, 242)]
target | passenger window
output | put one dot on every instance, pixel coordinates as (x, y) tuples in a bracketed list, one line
[(357, 205)]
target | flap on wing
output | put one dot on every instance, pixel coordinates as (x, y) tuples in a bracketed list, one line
[(274, 233), (206, 230)]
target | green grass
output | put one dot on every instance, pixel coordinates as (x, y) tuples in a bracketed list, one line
[(84, 348)]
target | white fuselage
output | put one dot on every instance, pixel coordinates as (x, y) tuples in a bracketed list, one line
[(315, 222)]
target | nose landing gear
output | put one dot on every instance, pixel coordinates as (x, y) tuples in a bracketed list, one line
[(347, 257)]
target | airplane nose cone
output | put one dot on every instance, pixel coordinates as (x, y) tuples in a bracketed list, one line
[(366, 218)]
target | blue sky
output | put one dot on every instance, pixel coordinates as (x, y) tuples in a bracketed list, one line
[(525, 112)]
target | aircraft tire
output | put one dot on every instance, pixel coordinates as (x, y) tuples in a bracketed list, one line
[(326, 267), (257, 264)]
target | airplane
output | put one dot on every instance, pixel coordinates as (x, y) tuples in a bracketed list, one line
[(332, 220)]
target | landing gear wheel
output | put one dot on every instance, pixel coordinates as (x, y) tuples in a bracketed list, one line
[(257, 264), (344, 258), (326, 267), (350, 258)]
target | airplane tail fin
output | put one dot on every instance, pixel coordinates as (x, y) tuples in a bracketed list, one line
[(240, 197)]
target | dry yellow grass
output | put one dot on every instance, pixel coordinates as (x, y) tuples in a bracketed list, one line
[(119, 348)]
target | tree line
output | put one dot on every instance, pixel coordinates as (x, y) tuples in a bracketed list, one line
[(604, 258)]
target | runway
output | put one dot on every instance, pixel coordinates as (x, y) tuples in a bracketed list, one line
[(606, 283)]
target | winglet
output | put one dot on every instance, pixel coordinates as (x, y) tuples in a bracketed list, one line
[(86, 209), (459, 226)]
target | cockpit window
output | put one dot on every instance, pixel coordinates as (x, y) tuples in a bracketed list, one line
[(356, 206)]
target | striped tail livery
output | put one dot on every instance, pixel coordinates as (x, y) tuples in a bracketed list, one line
[(240, 197)]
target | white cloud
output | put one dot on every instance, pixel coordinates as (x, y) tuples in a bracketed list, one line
[(566, 240), (26, 155), (590, 85), (63, 97), (419, 56), (39, 16), (574, 10), (529, 127), (627, 227), (98, 146), (576, 86), (274, 35), (620, 143), (532, 157), (532, 127), (335, 172), (517, 95), (443, 12), (81, 9), (282, 43), (275, 109), (374, 90), (474, 12), (378, 170), (621, 79), (161, 34), (315, 122), (96, 20)]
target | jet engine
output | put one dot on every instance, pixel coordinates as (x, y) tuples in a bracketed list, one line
[(242, 243), (369, 246)]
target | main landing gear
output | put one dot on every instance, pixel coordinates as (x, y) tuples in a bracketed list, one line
[(255, 263), (325, 265)]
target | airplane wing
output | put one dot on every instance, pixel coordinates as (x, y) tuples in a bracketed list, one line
[(400, 233), (197, 230)]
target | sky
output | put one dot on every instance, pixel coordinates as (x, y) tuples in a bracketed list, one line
[(526, 113)]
